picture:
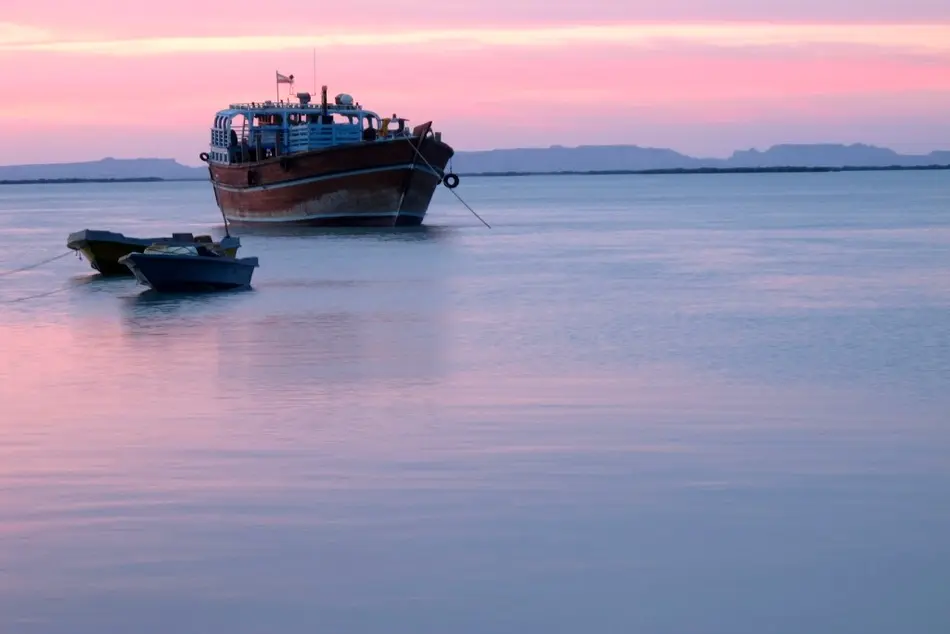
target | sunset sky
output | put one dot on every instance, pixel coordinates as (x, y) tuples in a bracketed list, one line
[(81, 80)]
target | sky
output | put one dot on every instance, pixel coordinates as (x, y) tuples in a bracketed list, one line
[(85, 79)]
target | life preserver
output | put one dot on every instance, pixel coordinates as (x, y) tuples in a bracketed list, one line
[(450, 180), (204, 156)]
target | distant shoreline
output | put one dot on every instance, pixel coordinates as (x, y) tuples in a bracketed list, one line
[(70, 181), (722, 170), (670, 171)]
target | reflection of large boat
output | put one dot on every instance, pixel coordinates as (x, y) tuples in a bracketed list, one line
[(323, 164), (104, 248)]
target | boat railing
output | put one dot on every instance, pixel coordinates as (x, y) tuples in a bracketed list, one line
[(314, 136), (287, 105), (298, 139), (219, 137), (293, 138)]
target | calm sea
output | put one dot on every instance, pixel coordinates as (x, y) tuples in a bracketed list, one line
[(667, 404)]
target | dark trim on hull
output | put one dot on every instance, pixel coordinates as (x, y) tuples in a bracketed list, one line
[(408, 220), (402, 220), (342, 221), (108, 264), (374, 199), (375, 184)]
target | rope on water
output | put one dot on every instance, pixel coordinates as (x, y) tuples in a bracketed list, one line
[(35, 264), (35, 296), (441, 174)]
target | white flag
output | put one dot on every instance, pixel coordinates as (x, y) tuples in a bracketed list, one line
[(283, 79)]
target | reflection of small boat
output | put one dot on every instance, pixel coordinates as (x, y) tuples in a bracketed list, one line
[(188, 267), (104, 248)]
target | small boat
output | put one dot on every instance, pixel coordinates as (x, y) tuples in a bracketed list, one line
[(103, 249), (189, 267)]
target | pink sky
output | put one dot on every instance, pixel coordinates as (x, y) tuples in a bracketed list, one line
[(105, 78)]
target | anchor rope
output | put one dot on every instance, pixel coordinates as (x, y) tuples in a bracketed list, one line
[(35, 264), (442, 175), (35, 295)]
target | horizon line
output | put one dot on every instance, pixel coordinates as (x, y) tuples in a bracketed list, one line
[(549, 147)]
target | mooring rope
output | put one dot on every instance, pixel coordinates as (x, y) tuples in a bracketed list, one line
[(35, 264), (35, 296), (441, 174)]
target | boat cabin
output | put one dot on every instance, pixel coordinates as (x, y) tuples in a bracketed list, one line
[(246, 132)]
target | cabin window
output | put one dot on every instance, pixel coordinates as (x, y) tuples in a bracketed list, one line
[(239, 127), (268, 119)]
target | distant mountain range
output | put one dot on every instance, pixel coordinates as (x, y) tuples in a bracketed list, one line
[(108, 168), (527, 160), (634, 158)]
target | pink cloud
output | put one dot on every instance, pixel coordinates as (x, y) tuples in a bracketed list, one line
[(231, 17), (496, 88), (163, 92)]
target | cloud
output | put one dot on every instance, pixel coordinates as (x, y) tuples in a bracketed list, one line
[(918, 38), (17, 34)]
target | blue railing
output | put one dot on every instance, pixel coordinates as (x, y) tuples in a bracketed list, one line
[(315, 136), (298, 138)]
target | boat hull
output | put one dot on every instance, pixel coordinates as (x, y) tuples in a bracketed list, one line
[(173, 273), (104, 249), (373, 184)]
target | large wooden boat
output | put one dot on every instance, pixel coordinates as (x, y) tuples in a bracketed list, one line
[(326, 164)]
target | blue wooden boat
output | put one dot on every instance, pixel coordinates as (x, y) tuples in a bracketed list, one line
[(189, 267), (103, 249)]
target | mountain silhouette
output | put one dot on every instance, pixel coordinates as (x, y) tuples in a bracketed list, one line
[(551, 159)]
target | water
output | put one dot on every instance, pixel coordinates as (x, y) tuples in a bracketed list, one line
[(704, 404)]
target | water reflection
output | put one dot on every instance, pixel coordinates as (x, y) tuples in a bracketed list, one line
[(405, 234), (150, 302), (94, 279), (385, 429), (320, 349)]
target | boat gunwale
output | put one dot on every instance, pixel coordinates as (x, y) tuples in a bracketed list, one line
[(271, 160)]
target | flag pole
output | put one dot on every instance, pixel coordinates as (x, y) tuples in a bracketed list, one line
[(277, 84), (314, 70)]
